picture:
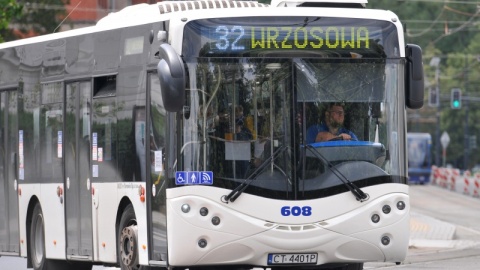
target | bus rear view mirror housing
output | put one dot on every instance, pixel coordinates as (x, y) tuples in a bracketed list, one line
[(414, 85), (171, 73)]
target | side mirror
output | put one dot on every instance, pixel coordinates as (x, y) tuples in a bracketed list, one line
[(171, 73), (414, 85)]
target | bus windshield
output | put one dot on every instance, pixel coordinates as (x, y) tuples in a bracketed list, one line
[(247, 121), (261, 96)]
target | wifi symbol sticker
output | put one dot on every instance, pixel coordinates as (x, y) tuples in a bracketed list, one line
[(206, 178), (194, 178)]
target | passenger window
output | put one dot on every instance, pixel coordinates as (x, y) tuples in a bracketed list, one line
[(51, 131), (104, 135)]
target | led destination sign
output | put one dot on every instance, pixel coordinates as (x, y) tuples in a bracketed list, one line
[(260, 35), (239, 37)]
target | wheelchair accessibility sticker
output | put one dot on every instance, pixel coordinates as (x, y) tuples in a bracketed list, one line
[(193, 178)]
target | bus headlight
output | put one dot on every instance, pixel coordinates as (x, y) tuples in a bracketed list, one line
[(400, 205), (202, 243), (215, 220), (375, 218), (203, 211), (185, 208), (385, 240)]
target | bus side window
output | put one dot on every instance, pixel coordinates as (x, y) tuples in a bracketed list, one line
[(104, 128)]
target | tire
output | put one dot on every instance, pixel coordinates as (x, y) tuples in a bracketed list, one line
[(37, 247), (37, 240), (127, 241)]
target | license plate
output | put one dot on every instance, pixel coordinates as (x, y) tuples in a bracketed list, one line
[(292, 258)]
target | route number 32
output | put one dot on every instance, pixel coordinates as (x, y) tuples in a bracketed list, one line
[(296, 211), (225, 35)]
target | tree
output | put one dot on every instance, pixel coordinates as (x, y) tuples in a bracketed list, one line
[(10, 9), (448, 30), (38, 17)]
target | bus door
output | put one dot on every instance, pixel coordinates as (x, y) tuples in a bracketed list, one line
[(157, 123), (9, 230), (78, 202)]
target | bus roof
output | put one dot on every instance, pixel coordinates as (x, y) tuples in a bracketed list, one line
[(150, 13), (318, 3)]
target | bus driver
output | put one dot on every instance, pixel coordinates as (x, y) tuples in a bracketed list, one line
[(332, 126)]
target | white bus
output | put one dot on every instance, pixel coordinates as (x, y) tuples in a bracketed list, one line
[(174, 136)]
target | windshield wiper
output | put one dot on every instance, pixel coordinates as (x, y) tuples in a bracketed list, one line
[(235, 193), (356, 191)]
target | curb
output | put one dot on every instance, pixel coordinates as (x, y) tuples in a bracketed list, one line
[(429, 233)]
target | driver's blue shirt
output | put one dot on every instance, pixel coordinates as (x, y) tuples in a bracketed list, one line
[(312, 132)]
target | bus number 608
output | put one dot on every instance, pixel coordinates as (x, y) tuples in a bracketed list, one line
[(296, 211)]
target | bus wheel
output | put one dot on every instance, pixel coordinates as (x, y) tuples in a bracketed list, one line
[(127, 240), (37, 239), (37, 247)]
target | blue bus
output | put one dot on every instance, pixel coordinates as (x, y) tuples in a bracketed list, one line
[(419, 157)]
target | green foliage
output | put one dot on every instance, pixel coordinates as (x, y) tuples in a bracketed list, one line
[(32, 17), (450, 31), (41, 16), (448, 26), (10, 9)]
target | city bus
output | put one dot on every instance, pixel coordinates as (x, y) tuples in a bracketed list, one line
[(419, 148), (173, 136)]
